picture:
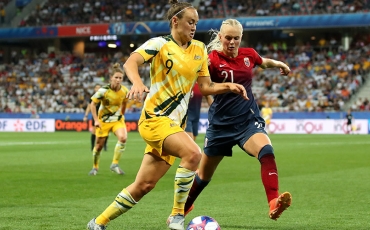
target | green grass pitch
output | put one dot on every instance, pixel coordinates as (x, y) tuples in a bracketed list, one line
[(44, 184)]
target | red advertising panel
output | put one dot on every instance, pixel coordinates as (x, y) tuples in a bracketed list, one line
[(83, 30)]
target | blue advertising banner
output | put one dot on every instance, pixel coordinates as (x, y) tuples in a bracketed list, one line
[(204, 25), (29, 32), (22, 3), (252, 23)]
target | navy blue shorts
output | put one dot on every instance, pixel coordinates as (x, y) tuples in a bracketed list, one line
[(192, 126), (220, 139)]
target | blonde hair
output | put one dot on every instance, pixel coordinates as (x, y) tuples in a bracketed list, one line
[(215, 43), (116, 68)]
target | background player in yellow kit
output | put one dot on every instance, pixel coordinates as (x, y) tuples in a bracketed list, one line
[(92, 130), (266, 113), (177, 62), (110, 118)]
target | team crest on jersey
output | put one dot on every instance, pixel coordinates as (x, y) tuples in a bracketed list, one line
[(247, 62), (197, 57)]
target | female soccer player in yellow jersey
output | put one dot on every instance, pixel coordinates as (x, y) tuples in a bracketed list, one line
[(109, 117), (87, 111), (177, 62)]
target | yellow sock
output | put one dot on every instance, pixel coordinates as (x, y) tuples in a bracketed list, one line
[(120, 205), (183, 181), (118, 150), (96, 158)]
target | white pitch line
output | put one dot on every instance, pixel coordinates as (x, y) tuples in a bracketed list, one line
[(332, 143)]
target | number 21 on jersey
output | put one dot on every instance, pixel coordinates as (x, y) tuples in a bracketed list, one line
[(228, 74)]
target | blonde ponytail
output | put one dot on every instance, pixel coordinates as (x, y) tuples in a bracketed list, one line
[(215, 43)]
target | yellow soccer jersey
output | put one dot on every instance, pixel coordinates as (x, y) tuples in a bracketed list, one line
[(266, 113), (173, 72), (110, 103)]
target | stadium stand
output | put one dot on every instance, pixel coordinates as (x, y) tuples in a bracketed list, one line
[(58, 12), (55, 82), (324, 76), (320, 80), (4, 2)]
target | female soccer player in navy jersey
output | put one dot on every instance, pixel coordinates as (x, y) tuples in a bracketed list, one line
[(235, 121)]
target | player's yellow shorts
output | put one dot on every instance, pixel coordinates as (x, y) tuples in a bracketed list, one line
[(106, 127), (154, 131), (268, 121)]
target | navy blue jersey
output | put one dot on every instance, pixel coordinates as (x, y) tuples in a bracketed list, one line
[(195, 103), (230, 108)]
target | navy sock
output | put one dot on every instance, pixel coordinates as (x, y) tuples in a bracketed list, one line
[(196, 189)]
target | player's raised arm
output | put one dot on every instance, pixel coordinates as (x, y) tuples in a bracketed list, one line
[(131, 68), (207, 87), (271, 63)]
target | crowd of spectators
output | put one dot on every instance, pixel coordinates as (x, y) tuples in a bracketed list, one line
[(322, 79), (56, 82), (245, 8), (2, 11), (64, 12), (4, 2)]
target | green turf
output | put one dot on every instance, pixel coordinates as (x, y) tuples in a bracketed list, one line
[(44, 184)]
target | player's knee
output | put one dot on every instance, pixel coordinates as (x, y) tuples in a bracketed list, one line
[(146, 187), (194, 157), (98, 147), (122, 139), (267, 149)]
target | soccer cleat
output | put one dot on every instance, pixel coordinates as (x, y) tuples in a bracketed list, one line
[(93, 172), (115, 168), (176, 222), (189, 210), (94, 226), (278, 205)]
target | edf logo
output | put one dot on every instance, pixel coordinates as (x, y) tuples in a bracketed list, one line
[(35, 125)]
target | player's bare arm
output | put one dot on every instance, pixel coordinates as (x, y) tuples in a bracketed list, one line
[(131, 68), (209, 99), (207, 87), (271, 63), (87, 111), (123, 107)]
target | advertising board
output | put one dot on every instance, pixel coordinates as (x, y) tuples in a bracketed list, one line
[(27, 125)]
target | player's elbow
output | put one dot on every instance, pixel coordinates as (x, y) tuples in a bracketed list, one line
[(205, 92)]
